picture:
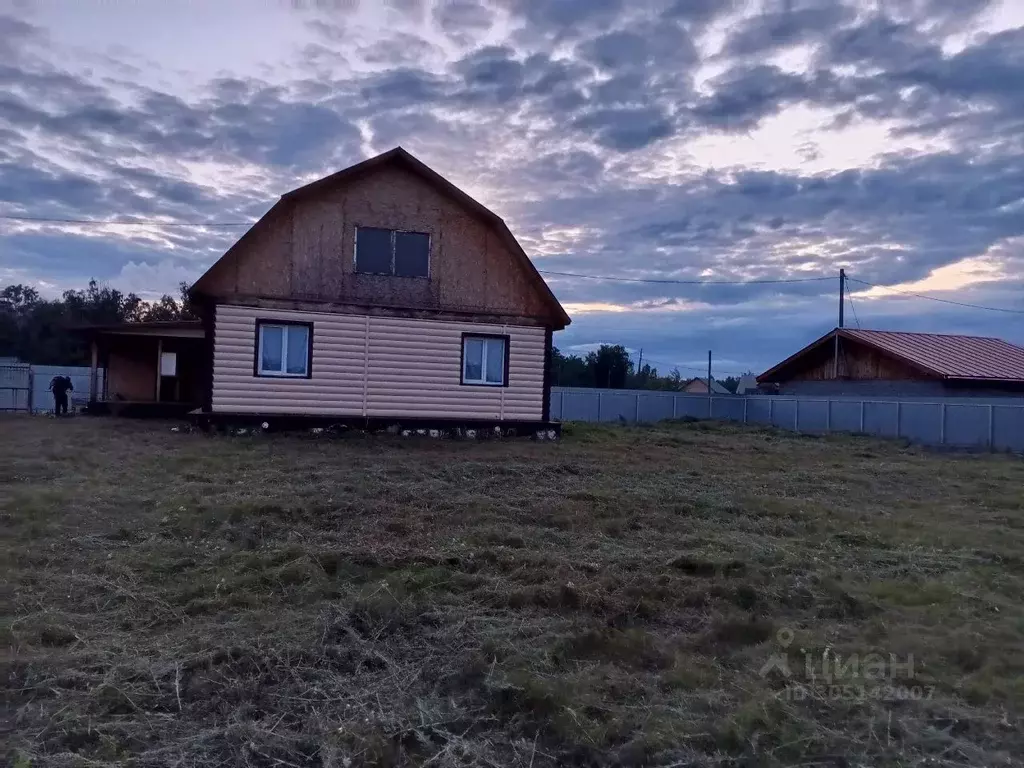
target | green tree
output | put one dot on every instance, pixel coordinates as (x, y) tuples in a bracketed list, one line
[(611, 366), (570, 370), (43, 331)]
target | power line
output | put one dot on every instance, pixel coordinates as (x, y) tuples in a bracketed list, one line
[(691, 368), (685, 282), (849, 295), (125, 223), (935, 298)]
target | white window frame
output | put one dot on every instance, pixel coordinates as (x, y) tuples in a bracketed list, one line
[(283, 371), (487, 339), (394, 238)]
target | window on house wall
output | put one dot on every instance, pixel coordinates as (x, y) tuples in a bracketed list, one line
[(283, 349), (392, 252), (485, 360)]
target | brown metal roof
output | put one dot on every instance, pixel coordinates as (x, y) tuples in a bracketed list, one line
[(944, 356), (948, 356)]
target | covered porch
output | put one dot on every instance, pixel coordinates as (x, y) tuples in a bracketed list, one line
[(153, 369)]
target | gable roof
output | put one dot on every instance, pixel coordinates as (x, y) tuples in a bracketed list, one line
[(747, 383), (941, 355), (716, 387), (400, 157)]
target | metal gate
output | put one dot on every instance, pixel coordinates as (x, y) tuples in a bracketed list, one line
[(16, 387)]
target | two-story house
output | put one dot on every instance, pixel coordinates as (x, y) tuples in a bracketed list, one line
[(379, 294)]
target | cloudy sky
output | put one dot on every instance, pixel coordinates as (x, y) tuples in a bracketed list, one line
[(652, 140)]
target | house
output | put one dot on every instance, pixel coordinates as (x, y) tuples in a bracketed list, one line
[(379, 294), (747, 385), (700, 386), (866, 363)]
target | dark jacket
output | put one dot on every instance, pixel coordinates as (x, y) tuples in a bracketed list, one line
[(61, 385)]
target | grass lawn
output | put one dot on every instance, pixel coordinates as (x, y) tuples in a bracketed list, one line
[(184, 599)]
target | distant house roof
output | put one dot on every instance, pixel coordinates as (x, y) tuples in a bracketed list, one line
[(943, 356), (716, 388), (747, 383)]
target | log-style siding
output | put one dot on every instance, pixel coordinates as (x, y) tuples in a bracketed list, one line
[(377, 367)]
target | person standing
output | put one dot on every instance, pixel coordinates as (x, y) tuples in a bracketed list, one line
[(60, 386)]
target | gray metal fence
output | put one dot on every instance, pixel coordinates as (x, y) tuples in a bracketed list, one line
[(15, 387), (25, 387), (997, 424), (42, 375)]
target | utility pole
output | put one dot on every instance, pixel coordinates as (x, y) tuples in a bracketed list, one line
[(639, 364), (709, 383), (842, 295), (842, 306)]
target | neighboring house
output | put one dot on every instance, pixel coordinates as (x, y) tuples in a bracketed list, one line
[(700, 386), (863, 363), (747, 385), (381, 292)]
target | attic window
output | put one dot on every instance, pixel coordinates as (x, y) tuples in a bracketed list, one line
[(392, 252)]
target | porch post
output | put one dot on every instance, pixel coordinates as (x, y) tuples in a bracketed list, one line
[(94, 364), (159, 360)]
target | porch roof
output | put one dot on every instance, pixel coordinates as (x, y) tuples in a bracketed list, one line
[(192, 329)]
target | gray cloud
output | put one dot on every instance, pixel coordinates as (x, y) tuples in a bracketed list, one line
[(789, 25), (744, 96), (626, 128), (463, 21), (399, 49), (489, 75), (560, 18), (561, 126)]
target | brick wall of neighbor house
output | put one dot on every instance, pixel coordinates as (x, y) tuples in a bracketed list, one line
[(305, 253), (375, 366)]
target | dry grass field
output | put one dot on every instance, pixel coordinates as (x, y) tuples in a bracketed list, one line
[(177, 599)]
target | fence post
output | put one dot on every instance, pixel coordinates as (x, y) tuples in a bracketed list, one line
[(746, 400), (942, 424), (899, 410), (771, 409), (636, 417), (31, 388), (599, 405), (796, 415), (675, 398), (991, 427), (709, 404), (828, 416)]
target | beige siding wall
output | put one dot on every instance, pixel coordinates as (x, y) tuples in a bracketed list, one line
[(376, 366)]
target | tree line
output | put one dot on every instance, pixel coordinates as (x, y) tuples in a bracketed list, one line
[(611, 367), (43, 331)]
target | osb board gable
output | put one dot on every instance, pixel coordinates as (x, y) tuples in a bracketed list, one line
[(255, 265), (306, 252)]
